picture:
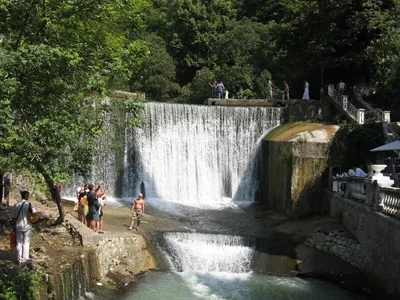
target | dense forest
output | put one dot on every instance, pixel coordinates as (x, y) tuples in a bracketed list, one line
[(245, 42), (58, 58)]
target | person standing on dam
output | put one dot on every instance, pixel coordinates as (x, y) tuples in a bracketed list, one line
[(137, 211)]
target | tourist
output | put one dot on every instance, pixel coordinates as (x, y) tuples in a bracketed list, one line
[(351, 173), (306, 94), (83, 207), (213, 88), (220, 86), (7, 186), (137, 211), (270, 86), (359, 172), (23, 227), (285, 95), (340, 87), (102, 203), (93, 216), (226, 94)]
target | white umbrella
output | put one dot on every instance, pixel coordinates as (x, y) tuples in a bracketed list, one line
[(393, 146)]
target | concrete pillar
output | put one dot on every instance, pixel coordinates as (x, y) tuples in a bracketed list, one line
[(344, 102), (386, 116), (360, 115), (331, 90), (378, 197), (370, 192), (330, 178)]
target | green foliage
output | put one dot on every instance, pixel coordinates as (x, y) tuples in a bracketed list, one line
[(199, 89), (285, 153), (157, 74), (192, 30), (294, 40), (352, 142), (20, 283), (340, 36), (302, 139), (57, 60)]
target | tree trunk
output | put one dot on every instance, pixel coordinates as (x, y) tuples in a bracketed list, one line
[(55, 194)]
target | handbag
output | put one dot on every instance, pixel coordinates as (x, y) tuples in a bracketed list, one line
[(32, 218), (13, 240)]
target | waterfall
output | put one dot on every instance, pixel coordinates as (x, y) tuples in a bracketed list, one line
[(104, 165), (194, 154), (191, 154), (72, 282), (195, 252)]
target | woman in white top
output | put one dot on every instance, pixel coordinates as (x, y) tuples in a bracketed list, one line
[(306, 94), (102, 203)]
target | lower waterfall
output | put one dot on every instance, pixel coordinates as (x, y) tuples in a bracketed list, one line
[(195, 252), (218, 267)]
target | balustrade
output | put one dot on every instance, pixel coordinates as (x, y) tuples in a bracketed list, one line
[(368, 192), (390, 199)]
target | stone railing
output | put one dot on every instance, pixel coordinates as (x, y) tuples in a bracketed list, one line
[(341, 101), (362, 115), (390, 198), (368, 192)]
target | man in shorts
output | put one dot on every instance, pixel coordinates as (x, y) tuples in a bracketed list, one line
[(137, 211), (93, 216)]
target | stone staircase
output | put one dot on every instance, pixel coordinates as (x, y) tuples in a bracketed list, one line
[(365, 115)]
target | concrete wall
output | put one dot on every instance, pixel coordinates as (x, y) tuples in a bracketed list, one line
[(303, 110), (379, 237), (111, 252), (293, 176)]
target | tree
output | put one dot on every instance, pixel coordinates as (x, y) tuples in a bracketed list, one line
[(244, 51), (192, 30), (56, 58), (157, 74), (199, 89), (263, 11), (338, 36)]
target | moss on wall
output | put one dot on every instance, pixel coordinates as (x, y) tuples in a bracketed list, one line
[(291, 171)]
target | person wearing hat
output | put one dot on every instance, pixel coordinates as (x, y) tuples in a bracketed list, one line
[(23, 226), (137, 211)]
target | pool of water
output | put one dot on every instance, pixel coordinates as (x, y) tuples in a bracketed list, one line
[(218, 286)]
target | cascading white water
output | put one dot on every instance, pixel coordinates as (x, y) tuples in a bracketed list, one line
[(102, 168), (217, 267), (195, 252), (195, 154), (191, 154)]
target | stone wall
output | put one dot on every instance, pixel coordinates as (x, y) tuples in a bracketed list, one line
[(303, 110), (130, 251), (379, 238), (338, 244), (111, 252), (293, 176)]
